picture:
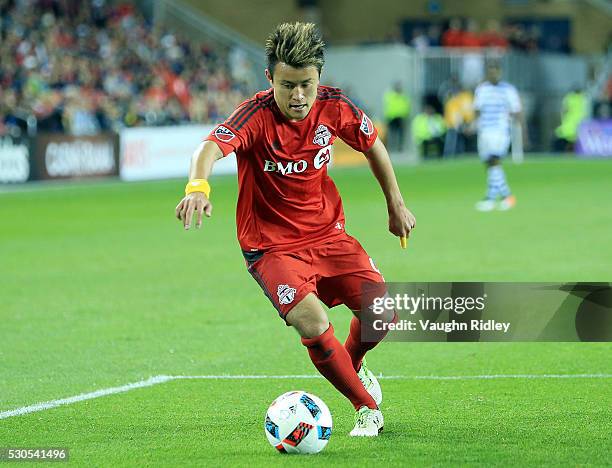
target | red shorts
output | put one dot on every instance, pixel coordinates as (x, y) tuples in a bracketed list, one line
[(335, 272)]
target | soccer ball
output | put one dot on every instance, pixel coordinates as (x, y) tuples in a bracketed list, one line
[(298, 422)]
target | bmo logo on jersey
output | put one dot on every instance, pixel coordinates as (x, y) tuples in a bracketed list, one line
[(322, 158)]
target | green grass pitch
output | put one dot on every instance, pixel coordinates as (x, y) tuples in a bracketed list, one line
[(100, 287)]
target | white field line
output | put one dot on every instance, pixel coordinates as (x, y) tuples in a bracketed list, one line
[(84, 396), (158, 379), (507, 376), (401, 377)]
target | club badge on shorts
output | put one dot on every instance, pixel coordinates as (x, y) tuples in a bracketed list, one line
[(286, 294)]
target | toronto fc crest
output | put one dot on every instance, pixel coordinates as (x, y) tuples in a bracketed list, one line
[(285, 293), (322, 136)]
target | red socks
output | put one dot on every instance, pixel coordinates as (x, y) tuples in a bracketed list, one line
[(339, 364), (355, 348), (333, 362)]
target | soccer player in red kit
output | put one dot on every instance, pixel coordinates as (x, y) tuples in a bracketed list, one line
[(290, 220)]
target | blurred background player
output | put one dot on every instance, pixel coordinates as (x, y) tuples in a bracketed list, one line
[(290, 216), (460, 121), (397, 111), (574, 109), (428, 132), (497, 105)]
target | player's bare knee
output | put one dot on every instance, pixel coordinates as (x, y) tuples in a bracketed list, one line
[(309, 325), (308, 317)]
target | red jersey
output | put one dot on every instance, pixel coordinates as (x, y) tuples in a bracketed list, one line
[(470, 39), (493, 39), (452, 38), (285, 197)]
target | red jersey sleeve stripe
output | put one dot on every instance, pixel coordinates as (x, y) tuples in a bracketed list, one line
[(342, 97), (328, 90), (244, 109), (240, 112), (252, 110), (325, 93)]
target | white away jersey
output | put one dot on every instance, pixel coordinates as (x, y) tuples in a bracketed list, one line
[(495, 104)]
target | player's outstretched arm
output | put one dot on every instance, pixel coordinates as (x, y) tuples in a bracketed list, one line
[(401, 220), (198, 202)]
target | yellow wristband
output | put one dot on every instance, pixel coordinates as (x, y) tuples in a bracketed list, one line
[(198, 185)]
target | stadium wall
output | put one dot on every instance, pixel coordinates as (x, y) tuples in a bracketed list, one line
[(255, 19), (140, 153), (345, 23), (149, 153), (346, 68), (423, 73), (351, 21), (591, 26), (55, 156), (135, 154)]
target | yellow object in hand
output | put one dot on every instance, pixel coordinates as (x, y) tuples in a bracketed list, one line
[(403, 242)]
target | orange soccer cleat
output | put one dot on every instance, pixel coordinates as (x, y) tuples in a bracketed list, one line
[(507, 203)]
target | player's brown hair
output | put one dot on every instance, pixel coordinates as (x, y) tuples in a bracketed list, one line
[(298, 45)]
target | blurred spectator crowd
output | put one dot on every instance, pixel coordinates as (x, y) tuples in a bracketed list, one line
[(84, 67), (458, 32)]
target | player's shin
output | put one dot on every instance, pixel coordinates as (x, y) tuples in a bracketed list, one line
[(334, 363), (357, 345)]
